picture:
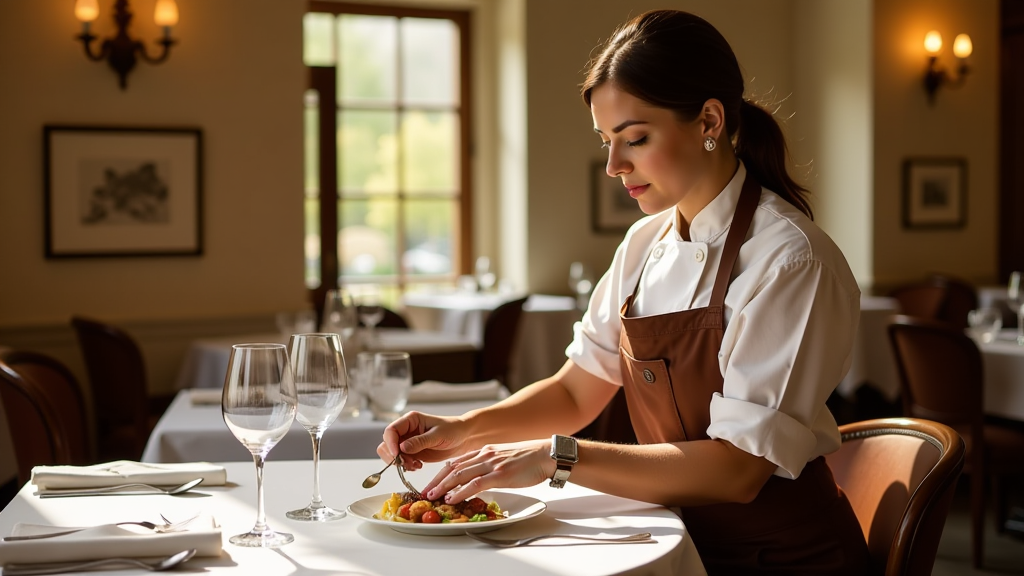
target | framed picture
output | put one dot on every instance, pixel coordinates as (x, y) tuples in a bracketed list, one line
[(934, 193), (122, 191), (612, 210)]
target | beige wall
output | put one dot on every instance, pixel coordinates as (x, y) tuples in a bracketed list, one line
[(962, 122)]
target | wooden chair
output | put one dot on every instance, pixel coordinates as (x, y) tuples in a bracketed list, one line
[(961, 298), (44, 410), (120, 397), (899, 475), (942, 379), (920, 299), (938, 297), (499, 336)]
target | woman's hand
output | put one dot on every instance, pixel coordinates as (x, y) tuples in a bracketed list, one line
[(514, 465), (422, 437)]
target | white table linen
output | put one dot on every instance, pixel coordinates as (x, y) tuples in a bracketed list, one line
[(351, 546), (124, 472), (189, 432), (873, 362), (545, 328), (1003, 361), (206, 361)]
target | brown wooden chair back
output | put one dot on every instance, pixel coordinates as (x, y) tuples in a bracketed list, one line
[(899, 475), (117, 379), (961, 298), (920, 299), (499, 336)]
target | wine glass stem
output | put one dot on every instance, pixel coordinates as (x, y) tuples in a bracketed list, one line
[(316, 502), (261, 513)]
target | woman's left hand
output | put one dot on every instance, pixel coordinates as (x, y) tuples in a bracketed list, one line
[(515, 465)]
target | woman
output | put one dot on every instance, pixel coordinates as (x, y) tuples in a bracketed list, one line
[(727, 317)]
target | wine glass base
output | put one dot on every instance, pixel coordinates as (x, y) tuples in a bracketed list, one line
[(321, 514), (267, 539)]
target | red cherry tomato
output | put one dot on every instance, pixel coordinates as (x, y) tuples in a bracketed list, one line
[(490, 514), (431, 517), (403, 510)]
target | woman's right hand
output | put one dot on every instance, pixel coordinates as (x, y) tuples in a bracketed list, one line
[(422, 438)]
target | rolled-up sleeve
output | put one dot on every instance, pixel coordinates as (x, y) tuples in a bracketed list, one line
[(784, 351)]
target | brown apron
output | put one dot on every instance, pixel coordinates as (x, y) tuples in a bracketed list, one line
[(670, 371)]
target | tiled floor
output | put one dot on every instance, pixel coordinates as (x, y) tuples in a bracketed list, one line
[(1004, 554)]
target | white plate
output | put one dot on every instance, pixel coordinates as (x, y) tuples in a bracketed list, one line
[(519, 508)]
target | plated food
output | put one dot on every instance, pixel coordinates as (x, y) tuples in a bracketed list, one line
[(514, 508), (410, 507)]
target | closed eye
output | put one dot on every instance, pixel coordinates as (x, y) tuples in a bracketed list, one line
[(638, 142)]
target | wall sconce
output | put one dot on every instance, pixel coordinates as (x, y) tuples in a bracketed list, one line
[(936, 75), (121, 50)]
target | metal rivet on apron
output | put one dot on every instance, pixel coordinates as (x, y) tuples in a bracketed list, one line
[(699, 255), (659, 251), (648, 375)]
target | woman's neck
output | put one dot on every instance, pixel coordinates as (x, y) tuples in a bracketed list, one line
[(722, 168)]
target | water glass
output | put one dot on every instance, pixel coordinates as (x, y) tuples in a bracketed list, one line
[(392, 380), (321, 383), (340, 315), (359, 380), (985, 323), (258, 405)]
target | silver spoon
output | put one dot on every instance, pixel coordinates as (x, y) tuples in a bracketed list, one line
[(155, 565), (119, 490), (372, 479)]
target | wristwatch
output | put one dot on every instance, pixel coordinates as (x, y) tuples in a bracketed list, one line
[(563, 452)]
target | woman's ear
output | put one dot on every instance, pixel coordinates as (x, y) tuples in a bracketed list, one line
[(712, 118)]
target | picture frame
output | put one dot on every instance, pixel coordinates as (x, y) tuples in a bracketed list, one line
[(612, 210), (122, 191), (934, 193)]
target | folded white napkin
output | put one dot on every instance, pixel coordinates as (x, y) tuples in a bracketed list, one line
[(205, 396), (108, 541), (125, 471), (434, 391)]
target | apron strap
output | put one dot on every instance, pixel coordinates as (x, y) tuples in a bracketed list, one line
[(750, 195)]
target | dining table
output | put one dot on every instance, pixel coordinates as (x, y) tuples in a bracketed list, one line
[(356, 544), (434, 355), (1003, 362), (873, 363), (192, 429)]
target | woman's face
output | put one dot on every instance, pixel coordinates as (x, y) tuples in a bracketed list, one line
[(660, 159)]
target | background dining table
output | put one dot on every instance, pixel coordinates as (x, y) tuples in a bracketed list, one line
[(192, 429), (353, 546)]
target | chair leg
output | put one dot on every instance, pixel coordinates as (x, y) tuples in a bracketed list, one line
[(977, 517)]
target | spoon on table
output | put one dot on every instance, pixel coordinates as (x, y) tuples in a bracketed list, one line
[(119, 490), (372, 479), (155, 565)]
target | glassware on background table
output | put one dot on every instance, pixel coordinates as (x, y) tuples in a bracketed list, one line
[(321, 384), (360, 376), (297, 322), (1015, 299), (340, 315), (581, 283), (985, 323), (371, 311), (485, 279), (392, 380), (258, 404)]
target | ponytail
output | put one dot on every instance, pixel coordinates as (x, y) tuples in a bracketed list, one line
[(761, 146)]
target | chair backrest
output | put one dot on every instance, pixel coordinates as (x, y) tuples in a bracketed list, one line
[(391, 319), (37, 432), (499, 336), (117, 380), (920, 299), (899, 475), (961, 298)]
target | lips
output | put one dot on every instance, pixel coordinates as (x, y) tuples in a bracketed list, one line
[(636, 191)]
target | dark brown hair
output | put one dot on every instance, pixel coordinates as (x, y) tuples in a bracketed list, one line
[(679, 61)]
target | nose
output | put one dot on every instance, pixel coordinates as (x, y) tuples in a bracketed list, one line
[(616, 164)]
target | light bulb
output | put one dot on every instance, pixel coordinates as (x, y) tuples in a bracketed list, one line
[(166, 13), (933, 42), (86, 10), (962, 46)]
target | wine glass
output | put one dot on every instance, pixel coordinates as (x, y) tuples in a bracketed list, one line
[(484, 277), (1015, 299), (371, 312), (581, 283), (339, 313), (321, 382), (258, 404), (389, 388)]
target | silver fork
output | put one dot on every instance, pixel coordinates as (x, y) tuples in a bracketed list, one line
[(167, 526), (642, 538)]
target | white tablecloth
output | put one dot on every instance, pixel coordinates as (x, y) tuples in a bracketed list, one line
[(1004, 376), (545, 328), (191, 433), (873, 362), (206, 361), (351, 546)]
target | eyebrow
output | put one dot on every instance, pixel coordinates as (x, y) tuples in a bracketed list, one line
[(622, 126)]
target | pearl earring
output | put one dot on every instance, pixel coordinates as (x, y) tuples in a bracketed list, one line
[(710, 144)]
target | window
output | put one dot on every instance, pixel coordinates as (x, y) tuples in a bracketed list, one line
[(387, 120)]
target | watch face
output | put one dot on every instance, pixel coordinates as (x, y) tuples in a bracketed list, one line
[(564, 448)]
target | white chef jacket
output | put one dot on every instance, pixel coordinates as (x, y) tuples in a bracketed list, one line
[(791, 314)]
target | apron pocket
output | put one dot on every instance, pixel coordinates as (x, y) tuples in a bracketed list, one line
[(651, 400)]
